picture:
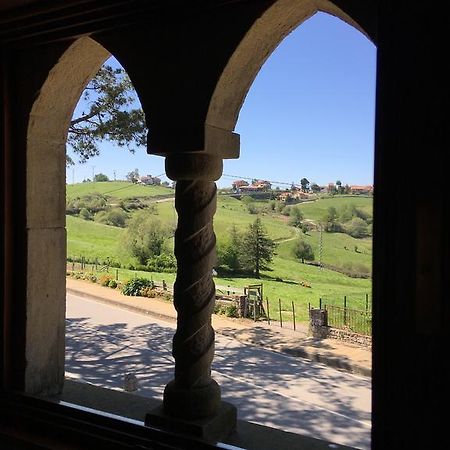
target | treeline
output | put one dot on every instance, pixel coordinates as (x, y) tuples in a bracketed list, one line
[(145, 238), (348, 219), (247, 252), (98, 207)]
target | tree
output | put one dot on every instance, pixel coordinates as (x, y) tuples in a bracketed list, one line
[(357, 228), (133, 176), (330, 220), (115, 217), (302, 250), (100, 177), (144, 237), (110, 115), (315, 188), (304, 184), (231, 253), (296, 217), (339, 187), (257, 248)]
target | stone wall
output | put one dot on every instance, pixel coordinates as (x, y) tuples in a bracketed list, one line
[(318, 328), (351, 337)]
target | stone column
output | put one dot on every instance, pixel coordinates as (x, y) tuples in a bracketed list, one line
[(193, 394)]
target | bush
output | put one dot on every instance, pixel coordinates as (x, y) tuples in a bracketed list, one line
[(296, 217), (134, 286), (85, 214), (105, 280), (162, 263), (92, 202), (112, 284), (357, 228), (133, 203), (115, 217), (148, 292), (226, 310)]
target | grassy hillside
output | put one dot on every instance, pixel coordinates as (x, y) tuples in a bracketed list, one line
[(93, 240), (117, 189), (317, 209)]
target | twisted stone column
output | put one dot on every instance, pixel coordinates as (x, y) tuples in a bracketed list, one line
[(193, 394)]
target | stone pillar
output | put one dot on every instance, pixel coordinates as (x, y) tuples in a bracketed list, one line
[(191, 402), (193, 393)]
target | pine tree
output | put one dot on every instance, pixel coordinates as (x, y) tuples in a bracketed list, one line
[(257, 248), (112, 114)]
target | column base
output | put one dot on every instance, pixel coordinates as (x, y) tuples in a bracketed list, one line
[(210, 429), (194, 403)]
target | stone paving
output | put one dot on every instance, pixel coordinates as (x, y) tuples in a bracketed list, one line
[(332, 352)]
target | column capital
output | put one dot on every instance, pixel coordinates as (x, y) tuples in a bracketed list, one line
[(194, 166)]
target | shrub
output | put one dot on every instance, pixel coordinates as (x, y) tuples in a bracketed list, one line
[(226, 310), (148, 292), (115, 217), (92, 202), (134, 286), (85, 214), (231, 311), (357, 228), (162, 263), (105, 279), (296, 217), (112, 284)]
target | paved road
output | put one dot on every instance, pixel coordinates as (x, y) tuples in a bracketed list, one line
[(293, 394)]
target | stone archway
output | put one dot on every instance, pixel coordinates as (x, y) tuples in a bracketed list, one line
[(45, 213), (257, 45)]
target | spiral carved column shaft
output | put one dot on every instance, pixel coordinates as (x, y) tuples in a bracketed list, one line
[(193, 393)]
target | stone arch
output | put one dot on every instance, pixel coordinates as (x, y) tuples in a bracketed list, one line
[(45, 212), (258, 44)]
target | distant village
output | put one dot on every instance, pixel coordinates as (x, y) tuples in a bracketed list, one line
[(263, 189), (295, 193)]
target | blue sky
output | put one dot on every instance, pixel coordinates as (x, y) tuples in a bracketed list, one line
[(309, 113)]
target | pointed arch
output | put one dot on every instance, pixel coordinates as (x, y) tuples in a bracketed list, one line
[(257, 45)]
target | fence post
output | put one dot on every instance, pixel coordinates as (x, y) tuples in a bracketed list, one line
[(73, 265), (367, 302), (293, 314), (345, 310), (117, 274), (268, 314), (320, 303), (281, 317), (254, 308)]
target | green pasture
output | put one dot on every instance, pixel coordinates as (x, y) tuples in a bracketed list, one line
[(288, 278), (116, 189), (316, 210)]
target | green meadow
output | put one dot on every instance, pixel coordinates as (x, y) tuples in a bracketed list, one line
[(289, 280), (116, 189)]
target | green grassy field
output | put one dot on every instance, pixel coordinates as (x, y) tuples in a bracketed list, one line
[(117, 189), (317, 209), (93, 240)]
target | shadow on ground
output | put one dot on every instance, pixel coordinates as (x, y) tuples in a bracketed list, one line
[(263, 385)]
